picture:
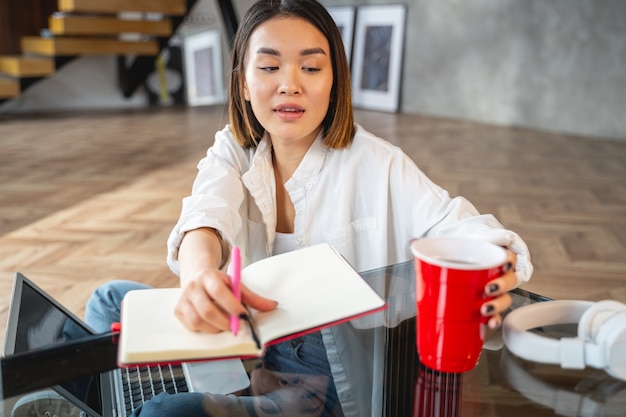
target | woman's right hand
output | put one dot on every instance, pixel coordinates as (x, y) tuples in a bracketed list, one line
[(207, 302)]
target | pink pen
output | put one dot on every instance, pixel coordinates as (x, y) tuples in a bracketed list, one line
[(235, 283)]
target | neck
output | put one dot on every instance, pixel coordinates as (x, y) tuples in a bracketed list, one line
[(287, 157)]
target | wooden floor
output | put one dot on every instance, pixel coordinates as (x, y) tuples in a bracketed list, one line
[(86, 198)]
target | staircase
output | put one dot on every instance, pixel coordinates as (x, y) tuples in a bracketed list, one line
[(96, 27)]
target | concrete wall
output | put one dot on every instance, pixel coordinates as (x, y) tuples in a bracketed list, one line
[(557, 65)]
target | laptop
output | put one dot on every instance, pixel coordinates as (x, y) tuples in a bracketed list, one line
[(36, 320)]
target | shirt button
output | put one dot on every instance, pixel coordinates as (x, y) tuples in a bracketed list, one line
[(300, 212), (299, 241), (309, 185)]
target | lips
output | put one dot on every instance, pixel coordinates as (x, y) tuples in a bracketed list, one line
[(289, 108)]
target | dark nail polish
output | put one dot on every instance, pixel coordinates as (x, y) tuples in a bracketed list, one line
[(493, 288), (507, 267), (489, 309), (243, 316)]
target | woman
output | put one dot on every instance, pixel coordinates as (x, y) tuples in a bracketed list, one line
[(293, 169)]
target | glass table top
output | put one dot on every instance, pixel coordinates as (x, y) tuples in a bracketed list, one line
[(386, 377)]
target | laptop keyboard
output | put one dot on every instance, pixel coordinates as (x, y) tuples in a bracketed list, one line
[(141, 383)]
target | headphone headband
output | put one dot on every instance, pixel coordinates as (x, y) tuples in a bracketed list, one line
[(600, 343)]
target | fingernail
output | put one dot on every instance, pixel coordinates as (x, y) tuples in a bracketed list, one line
[(492, 288), (243, 316), (488, 309), (494, 324), (507, 267)]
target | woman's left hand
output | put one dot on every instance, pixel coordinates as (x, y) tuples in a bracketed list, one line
[(499, 288)]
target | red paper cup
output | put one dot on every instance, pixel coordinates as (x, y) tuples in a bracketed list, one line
[(450, 278)]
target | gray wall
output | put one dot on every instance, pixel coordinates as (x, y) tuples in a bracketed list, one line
[(557, 65)]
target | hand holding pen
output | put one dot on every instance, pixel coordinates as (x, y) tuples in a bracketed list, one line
[(207, 299)]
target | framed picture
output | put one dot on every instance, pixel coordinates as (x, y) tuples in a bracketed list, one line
[(344, 18), (377, 57), (204, 78)]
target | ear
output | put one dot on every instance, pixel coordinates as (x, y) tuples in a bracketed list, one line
[(246, 92)]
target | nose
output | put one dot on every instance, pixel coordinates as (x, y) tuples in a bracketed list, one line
[(289, 83)]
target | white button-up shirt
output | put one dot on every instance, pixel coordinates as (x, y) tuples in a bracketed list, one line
[(368, 201)]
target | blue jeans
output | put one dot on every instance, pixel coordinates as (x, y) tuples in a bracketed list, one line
[(292, 379)]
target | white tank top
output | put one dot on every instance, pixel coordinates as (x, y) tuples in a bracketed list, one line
[(284, 242)]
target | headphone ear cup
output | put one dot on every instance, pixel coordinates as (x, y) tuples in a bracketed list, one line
[(592, 319), (611, 338)]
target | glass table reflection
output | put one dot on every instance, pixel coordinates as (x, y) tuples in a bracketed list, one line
[(500, 385), (385, 373)]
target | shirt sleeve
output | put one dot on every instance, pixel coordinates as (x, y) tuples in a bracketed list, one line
[(217, 194), (434, 213)]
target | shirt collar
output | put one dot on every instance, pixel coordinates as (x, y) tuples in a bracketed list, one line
[(310, 166)]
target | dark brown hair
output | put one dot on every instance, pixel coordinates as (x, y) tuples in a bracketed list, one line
[(338, 124)]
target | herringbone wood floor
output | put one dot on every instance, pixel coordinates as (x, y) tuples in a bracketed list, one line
[(85, 198)]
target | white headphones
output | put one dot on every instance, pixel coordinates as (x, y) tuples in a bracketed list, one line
[(601, 340)]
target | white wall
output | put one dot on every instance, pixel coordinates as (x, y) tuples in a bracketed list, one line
[(86, 83)]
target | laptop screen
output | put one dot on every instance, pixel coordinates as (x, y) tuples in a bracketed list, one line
[(35, 321)]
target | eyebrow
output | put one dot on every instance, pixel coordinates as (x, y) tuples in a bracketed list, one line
[(305, 52)]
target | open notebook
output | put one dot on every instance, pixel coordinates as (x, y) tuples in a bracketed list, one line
[(315, 288)]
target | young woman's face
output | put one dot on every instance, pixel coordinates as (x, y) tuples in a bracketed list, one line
[(288, 78)]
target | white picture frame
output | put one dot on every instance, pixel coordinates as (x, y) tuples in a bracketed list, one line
[(377, 57), (204, 78), (344, 19)]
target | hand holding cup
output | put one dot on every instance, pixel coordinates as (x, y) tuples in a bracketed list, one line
[(454, 304)]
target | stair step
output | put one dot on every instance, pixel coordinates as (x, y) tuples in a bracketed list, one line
[(94, 25), (170, 7), (9, 88), (88, 46), (23, 66)]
